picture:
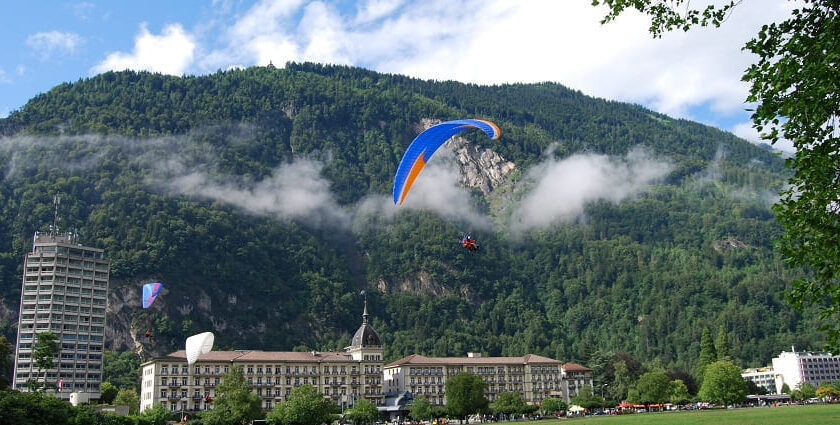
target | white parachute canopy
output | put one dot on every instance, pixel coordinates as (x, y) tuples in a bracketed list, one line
[(198, 345)]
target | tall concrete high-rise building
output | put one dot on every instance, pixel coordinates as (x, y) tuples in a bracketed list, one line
[(64, 291), (795, 367)]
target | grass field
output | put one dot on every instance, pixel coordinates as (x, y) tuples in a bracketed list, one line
[(818, 414)]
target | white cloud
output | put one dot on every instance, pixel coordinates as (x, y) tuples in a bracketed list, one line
[(4, 78), (267, 17), (371, 10), (560, 189), (437, 189), (323, 35), (171, 52), (497, 41), (50, 43), (746, 131), (294, 191), (261, 35)]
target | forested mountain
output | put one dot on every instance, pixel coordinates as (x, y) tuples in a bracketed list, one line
[(261, 198)]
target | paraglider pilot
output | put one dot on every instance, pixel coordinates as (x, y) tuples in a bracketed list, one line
[(468, 242)]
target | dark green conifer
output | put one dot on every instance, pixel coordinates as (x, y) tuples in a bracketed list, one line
[(724, 351), (708, 354)]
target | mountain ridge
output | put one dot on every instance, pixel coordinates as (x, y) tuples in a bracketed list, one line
[(155, 160)]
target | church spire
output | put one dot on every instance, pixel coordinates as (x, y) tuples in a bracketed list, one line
[(365, 314)]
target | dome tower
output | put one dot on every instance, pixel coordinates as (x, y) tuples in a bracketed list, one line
[(366, 344)]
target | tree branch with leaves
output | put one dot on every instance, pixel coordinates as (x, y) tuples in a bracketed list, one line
[(796, 86)]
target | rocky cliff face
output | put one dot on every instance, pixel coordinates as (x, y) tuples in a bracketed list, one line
[(127, 321), (121, 333), (481, 168)]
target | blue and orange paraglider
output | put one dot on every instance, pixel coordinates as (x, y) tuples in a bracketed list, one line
[(420, 151), (150, 292)]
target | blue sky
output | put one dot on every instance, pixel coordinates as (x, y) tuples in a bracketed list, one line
[(694, 75)]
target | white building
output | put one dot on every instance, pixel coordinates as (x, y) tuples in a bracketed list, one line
[(793, 368), (64, 291), (764, 377)]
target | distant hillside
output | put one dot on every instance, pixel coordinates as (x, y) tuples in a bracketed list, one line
[(261, 198)]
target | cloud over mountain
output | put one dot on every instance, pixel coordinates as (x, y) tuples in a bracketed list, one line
[(559, 189)]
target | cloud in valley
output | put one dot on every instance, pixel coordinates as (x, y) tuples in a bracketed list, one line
[(29, 153), (437, 189), (559, 189), (294, 191)]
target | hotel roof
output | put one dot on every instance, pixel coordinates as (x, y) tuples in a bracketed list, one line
[(574, 367), (417, 359), (260, 356)]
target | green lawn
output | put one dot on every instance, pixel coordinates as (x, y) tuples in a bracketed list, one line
[(818, 414)]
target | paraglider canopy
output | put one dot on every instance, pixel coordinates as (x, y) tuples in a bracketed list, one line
[(198, 345), (420, 150), (150, 292)]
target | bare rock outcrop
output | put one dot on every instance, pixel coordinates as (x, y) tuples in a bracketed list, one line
[(481, 168)]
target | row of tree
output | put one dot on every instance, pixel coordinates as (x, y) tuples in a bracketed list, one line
[(237, 404)]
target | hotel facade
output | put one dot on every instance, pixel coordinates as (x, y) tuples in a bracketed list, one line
[(345, 377), (534, 377)]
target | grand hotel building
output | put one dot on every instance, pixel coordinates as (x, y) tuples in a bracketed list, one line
[(354, 374), (345, 377), (534, 377)]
